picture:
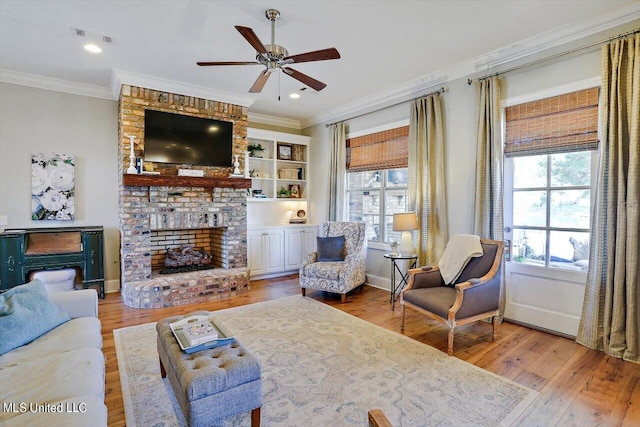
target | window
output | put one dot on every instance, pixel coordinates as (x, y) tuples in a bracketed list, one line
[(549, 145), (377, 180)]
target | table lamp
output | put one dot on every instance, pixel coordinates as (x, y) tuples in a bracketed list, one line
[(405, 222)]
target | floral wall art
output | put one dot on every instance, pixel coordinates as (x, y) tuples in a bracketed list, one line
[(52, 187)]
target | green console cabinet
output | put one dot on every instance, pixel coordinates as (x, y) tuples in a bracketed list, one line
[(27, 250), (93, 268), (11, 254)]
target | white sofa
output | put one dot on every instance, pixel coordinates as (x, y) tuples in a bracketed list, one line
[(58, 379)]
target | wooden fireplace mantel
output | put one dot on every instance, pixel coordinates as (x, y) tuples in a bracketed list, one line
[(131, 180)]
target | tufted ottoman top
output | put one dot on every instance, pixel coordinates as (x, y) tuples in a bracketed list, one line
[(207, 372)]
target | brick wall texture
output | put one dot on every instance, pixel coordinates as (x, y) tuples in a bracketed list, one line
[(155, 218)]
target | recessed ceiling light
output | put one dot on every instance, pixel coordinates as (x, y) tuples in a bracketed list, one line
[(294, 95), (92, 48)]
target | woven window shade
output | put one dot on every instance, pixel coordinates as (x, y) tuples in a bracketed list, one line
[(561, 123), (388, 149)]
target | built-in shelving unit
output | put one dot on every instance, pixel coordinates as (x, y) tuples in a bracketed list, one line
[(281, 171)]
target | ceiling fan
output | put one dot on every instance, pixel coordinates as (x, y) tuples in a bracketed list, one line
[(274, 57)]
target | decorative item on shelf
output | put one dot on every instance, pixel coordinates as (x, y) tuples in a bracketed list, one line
[(255, 150), (254, 173), (258, 194), (285, 173), (132, 157), (294, 191), (300, 217), (284, 193), (285, 151), (298, 155), (236, 167), (405, 222), (139, 164), (394, 248), (190, 172)]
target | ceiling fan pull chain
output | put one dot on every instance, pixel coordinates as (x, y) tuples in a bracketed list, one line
[(279, 77)]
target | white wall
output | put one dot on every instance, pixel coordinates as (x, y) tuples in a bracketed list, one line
[(36, 120), (460, 150)]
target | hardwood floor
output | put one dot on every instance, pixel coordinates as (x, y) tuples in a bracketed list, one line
[(577, 386)]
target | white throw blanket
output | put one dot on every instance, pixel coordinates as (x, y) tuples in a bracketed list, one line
[(460, 249)]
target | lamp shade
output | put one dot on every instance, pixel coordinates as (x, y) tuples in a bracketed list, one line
[(406, 221)]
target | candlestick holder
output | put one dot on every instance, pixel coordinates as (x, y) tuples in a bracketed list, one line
[(132, 157)]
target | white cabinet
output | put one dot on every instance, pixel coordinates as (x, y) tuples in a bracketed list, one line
[(265, 251), (298, 242), (281, 170), (279, 250)]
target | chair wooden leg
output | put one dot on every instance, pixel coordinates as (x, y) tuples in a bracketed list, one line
[(495, 327), (450, 343), (163, 372), (343, 298), (255, 418), (402, 318), (304, 292)]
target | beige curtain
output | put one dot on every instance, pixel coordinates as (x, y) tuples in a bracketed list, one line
[(427, 196), (337, 172), (611, 312), (488, 219)]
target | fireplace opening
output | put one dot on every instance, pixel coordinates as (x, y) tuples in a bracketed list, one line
[(186, 258), (184, 250)]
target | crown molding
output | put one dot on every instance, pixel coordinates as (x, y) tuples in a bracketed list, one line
[(120, 77), (273, 120), (57, 85), (383, 99), (508, 54)]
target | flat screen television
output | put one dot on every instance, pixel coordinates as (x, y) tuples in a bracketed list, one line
[(176, 138)]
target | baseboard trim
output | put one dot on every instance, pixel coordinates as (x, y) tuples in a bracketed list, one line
[(111, 286), (379, 282)]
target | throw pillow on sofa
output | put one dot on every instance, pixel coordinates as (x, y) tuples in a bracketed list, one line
[(26, 313)]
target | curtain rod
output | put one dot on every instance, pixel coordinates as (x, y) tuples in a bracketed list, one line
[(557, 55), (441, 90)]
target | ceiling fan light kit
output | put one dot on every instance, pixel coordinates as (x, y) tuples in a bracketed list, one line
[(275, 57)]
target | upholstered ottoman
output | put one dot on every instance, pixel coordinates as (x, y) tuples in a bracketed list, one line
[(210, 385)]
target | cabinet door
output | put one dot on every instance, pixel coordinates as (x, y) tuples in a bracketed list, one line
[(93, 244), (11, 257), (293, 248), (309, 242), (274, 251), (255, 252)]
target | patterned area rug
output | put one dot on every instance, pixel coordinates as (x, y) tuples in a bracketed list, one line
[(323, 367)]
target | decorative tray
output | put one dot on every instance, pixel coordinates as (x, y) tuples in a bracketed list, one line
[(225, 336)]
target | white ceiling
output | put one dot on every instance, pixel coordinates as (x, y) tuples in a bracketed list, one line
[(388, 48)]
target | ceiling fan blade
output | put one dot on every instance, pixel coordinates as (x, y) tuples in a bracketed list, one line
[(317, 55), (253, 40), (260, 82), (205, 64), (309, 81)]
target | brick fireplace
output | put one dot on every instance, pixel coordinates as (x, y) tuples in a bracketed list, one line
[(158, 212)]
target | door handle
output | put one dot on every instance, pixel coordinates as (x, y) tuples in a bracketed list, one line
[(507, 229)]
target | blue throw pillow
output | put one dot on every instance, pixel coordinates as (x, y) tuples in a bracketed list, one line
[(25, 314), (330, 248)]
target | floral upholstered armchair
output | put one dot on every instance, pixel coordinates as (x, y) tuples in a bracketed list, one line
[(337, 276)]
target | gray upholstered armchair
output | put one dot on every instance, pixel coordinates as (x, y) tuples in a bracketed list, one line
[(474, 295), (337, 276)]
